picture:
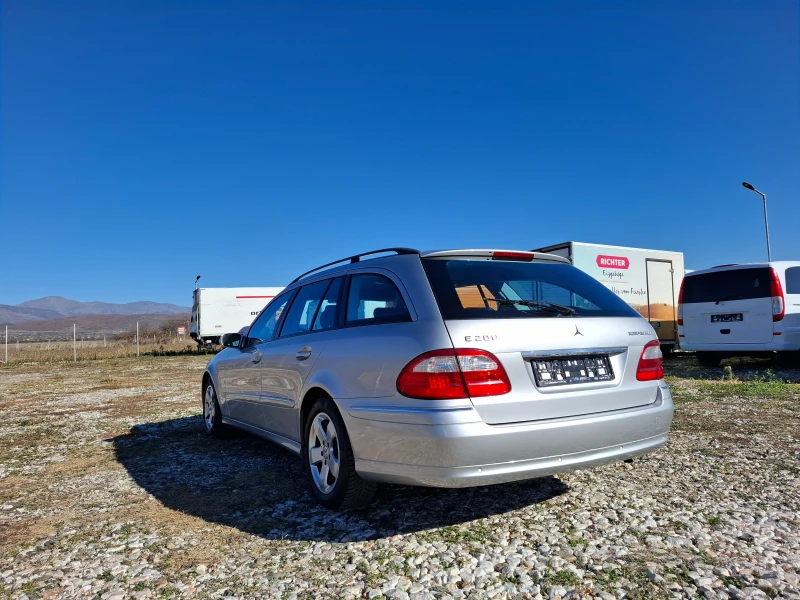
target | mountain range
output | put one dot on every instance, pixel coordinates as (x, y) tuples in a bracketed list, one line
[(56, 307)]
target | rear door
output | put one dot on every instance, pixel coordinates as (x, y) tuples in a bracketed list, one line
[(729, 306), (661, 298), (579, 362), (378, 333), (524, 347)]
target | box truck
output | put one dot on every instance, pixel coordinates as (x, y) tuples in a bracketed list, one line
[(216, 311), (648, 280)]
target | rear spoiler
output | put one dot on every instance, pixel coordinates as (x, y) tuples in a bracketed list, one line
[(488, 254)]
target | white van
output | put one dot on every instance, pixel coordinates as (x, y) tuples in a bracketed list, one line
[(741, 310)]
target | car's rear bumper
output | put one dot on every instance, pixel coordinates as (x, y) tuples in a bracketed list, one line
[(453, 447), (788, 340)]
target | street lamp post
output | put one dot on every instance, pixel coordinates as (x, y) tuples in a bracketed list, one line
[(766, 222)]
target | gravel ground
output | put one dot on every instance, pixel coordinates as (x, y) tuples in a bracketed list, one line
[(109, 489)]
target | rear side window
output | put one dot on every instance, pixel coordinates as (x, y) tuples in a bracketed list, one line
[(326, 315), (487, 289), (793, 280), (304, 308), (736, 284), (374, 299)]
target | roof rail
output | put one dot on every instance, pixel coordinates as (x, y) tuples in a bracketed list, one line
[(356, 258), (728, 265)]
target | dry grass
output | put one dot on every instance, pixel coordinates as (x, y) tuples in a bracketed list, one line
[(56, 460), (51, 352)]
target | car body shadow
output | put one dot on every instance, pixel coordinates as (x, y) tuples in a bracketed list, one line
[(245, 482)]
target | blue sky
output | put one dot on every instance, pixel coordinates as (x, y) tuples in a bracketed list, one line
[(144, 143)]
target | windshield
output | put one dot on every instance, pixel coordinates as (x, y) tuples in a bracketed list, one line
[(736, 284), (490, 289)]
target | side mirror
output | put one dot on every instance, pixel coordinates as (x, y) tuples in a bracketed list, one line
[(231, 340)]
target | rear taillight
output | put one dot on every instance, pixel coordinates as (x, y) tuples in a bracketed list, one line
[(448, 374), (433, 375), (680, 304), (651, 363), (483, 373), (776, 291)]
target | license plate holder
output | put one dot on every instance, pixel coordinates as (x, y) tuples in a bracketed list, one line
[(550, 372), (727, 318)]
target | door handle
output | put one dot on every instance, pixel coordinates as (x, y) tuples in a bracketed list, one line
[(303, 353), (257, 357)]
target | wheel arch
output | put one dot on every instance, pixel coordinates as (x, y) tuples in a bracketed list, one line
[(312, 395)]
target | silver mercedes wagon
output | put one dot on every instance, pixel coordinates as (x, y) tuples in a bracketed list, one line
[(450, 368)]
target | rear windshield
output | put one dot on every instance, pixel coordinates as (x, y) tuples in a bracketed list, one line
[(483, 289), (736, 284)]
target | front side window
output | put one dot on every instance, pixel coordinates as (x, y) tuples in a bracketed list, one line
[(304, 308), (375, 299), (734, 284), (793, 280), (264, 326), (489, 289)]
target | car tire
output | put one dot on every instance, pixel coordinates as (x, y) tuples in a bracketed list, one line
[(666, 350), (329, 461), (212, 415), (708, 359)]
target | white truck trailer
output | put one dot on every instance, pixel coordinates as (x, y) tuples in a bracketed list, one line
[(648, 280), (216, 311)]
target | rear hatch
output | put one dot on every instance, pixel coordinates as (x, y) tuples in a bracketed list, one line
[(731, 306), (568, 345)]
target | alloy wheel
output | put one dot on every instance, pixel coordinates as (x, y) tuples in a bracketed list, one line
[(209, 407), (323, 453)]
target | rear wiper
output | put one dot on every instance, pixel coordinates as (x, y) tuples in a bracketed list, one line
[(559, 309), (734, 297)]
